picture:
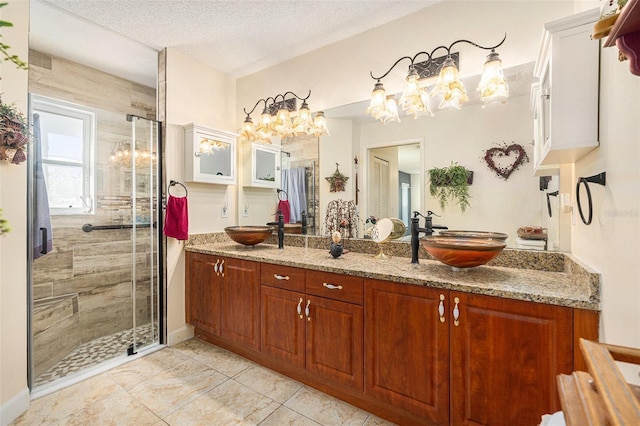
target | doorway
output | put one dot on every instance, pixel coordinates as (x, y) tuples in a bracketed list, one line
[(95, 238)]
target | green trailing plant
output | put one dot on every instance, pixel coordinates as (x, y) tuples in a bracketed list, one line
[(4, 225), (4, 48), (450, 184)]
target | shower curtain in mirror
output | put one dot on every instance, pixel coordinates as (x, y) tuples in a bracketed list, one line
[(293, 182)]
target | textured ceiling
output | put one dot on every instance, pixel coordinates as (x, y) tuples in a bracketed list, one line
[(234, 37)]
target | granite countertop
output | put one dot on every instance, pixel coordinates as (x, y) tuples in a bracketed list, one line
[(576, 286)]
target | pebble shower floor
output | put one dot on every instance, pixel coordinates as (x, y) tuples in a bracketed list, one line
[(96, 351)]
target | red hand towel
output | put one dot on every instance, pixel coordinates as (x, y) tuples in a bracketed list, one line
[(176, 222), (285, 208)]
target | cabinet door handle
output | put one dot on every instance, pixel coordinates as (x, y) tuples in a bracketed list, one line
[(221, 265), (441, 308), (215, 267), (332, 286), (281, 277), (306, 310), (299, 309), (456, 312)]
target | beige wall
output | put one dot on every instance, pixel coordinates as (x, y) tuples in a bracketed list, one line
[(14, 394), (611, 244), (194, 94)]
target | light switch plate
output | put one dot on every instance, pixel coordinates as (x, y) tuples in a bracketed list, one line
[(224, 212)]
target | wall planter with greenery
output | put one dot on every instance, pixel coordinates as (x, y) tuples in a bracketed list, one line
[(451, 183), (14, 134)]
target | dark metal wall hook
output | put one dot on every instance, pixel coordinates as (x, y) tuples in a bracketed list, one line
[(599, 179)]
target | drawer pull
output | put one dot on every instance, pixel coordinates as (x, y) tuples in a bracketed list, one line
[(281, 277), (456, 312), (299, 309), (306, 310), (221, 265), (215, 267), (441, 308), (331, 286)]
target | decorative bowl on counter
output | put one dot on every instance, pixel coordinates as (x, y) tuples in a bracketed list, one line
[(249, 235), (462, 252), (473, 234)]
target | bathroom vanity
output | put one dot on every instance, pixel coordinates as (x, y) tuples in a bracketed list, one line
[(415, 344)]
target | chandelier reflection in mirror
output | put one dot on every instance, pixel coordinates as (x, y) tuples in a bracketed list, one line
[(415, 99), (121, 155), (276, 120)]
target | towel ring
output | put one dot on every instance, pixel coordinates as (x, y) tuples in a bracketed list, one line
[(286, 196), (551, 194), (600, 180), (174, 183)]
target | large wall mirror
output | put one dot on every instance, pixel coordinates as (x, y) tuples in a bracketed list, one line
[(398, 155)]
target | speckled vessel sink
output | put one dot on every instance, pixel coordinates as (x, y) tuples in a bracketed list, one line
[(462, 252)]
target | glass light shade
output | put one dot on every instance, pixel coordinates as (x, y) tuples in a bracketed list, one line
[(391, 111), (264, 131), (320, 124), (493, 84), (282, 125), (303, 124), (248, 131), (450, 86), (377, 104), (411, 101)]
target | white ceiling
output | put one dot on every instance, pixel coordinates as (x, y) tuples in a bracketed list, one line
[(234, 37)]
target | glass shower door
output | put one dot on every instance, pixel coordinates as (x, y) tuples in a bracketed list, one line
[(96, 266)]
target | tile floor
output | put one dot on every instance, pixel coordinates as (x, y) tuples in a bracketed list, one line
[(193, 383)]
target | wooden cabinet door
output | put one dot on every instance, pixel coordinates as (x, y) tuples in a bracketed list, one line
[(505, 356), (203, 292), (334, 340), (282, 327), (241, 302), (407, 348)]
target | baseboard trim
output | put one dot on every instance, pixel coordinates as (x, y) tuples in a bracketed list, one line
[(13, 408), (180, 335)]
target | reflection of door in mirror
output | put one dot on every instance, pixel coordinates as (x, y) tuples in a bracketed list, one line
[(300, 180), (393, 188)]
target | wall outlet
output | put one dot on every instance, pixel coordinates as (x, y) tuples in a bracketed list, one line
[(245, 212), (224, 212)]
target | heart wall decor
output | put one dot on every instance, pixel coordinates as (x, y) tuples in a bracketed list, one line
[(505, 159)]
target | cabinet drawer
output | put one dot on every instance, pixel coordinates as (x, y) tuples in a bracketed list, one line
[(282, 277), (335, 286)]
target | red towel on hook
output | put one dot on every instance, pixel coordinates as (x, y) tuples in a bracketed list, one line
[(284, 207), (176, 222)]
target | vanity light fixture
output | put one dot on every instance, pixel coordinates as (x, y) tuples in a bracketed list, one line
[(121, 155), (415, 96), (275, 120)]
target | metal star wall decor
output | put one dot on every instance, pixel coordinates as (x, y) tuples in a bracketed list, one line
[(337, 181)]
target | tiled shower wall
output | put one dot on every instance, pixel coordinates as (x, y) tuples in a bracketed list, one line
[(82, 289)]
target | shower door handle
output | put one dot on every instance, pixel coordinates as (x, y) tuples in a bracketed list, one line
[(44, 249)]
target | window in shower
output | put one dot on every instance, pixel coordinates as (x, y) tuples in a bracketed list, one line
[(68, 144)]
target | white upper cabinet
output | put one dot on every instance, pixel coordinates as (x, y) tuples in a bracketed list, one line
[(565, 101), (262, 165), (210, 155)]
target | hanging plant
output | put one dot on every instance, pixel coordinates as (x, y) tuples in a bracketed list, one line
[(451, 184), (4, 225), (509, 158), (14, 133), (4, 48)]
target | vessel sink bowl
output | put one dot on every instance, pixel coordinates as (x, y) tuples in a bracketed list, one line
[(462, 252), (248, 235), (473, 234)]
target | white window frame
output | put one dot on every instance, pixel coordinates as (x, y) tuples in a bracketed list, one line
[(88, 117)]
